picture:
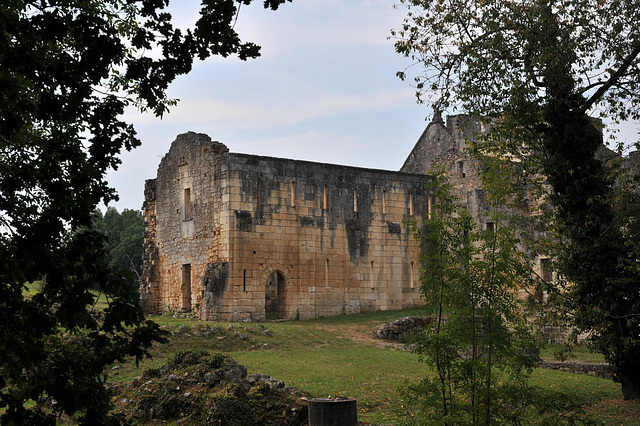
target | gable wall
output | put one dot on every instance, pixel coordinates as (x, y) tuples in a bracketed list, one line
[(173, 239)]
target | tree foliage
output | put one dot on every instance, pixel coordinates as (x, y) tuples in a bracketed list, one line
[(124, 232), (68, 69), (541, 68), (478, 341), (506, 57)]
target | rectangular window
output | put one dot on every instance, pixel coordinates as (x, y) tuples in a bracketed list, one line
[(431, 202), (371, 275), (412, 276), (490, 226), (384, 202), (244, 280), (410, 204), (545, 270), (324, 198), (460, 165), (326, 272), (355, 200), (293, 194), (187, 203)]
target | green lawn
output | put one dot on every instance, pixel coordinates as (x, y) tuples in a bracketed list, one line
[(340, 356)]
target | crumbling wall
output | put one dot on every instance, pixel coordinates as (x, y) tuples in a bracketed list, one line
[(443, 147), (440, 140), (214, 284), (334, 236), (402, 329), (183, 230), (240, 236), (149, 289), (434, 141)]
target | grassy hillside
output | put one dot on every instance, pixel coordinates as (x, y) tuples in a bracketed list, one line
[(340, 356)]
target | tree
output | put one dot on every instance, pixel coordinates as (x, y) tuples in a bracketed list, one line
[(478, 341), (68, 69), (124, 232), (540, 68)]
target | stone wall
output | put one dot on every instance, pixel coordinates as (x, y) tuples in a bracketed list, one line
[(444, 147), (235, 236), (601, 370), (335, 234), (149, 290), (440, 138), (182, 230), (268, 237), (402, 329)]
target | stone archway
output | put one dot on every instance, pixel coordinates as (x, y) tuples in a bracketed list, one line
[(274, 299)]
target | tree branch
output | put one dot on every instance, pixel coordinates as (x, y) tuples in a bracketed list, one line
[(613, 79)]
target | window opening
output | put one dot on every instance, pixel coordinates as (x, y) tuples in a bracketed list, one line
[(461, 172), (186, 287), (412, 276), (411, 204), (371, 275), (547, 276), (187, 203), (355, 201), (293, 194), (545, 270), (324, 198), (326, 272), (384, 202)]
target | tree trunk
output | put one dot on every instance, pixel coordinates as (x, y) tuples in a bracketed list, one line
[(630, 389)]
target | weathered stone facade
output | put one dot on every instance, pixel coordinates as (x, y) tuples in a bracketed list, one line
[(445, 146), (235, 236)]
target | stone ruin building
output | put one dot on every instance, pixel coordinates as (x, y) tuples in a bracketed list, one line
[(233, 236), (443, 145)]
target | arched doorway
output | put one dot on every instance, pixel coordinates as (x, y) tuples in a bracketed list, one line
[(274, 296)]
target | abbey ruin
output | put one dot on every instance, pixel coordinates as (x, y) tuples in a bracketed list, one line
[(233, 236)]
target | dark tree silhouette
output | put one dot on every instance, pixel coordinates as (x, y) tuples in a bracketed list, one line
[(68, 69)]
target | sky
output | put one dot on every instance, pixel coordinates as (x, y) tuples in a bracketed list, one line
[(324, 89)]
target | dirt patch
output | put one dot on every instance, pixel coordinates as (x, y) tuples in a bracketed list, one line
[(358, 333)]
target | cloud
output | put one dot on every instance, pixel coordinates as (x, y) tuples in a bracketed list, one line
[(318, 25), (265, 114), (323, 90), (309, 145)]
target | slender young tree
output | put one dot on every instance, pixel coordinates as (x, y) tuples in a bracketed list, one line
[(478, 340), (68, 69), (541, 68)]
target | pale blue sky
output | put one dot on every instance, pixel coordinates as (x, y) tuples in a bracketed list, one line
[(323, 90)]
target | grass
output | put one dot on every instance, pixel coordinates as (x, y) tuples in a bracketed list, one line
[(100, 299), (340, 356), (344, 368), (580, 353)]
